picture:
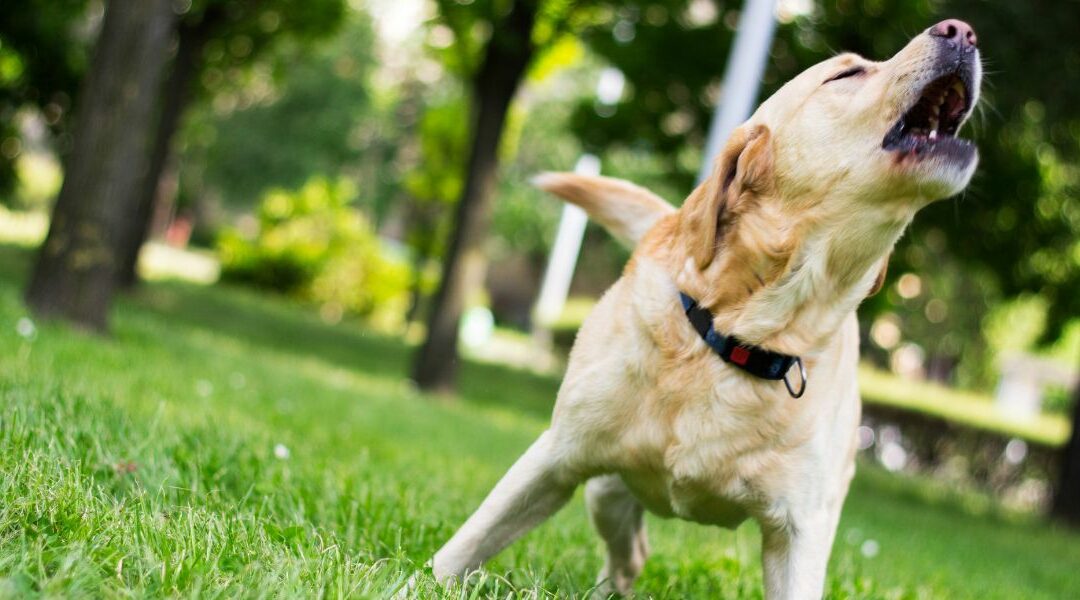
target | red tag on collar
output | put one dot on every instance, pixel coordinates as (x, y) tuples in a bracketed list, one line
[(740, 355)]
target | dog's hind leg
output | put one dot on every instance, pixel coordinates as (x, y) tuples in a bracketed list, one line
[(620, 520), (532, 490)]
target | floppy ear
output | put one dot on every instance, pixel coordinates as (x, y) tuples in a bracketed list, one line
[(742, 169), (880, 281)]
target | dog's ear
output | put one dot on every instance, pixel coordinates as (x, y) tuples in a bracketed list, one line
[(880, 281), (741, 170)]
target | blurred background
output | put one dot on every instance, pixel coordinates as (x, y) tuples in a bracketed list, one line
[(366, 163)]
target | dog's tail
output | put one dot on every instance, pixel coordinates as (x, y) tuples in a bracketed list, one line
[(626, 210)]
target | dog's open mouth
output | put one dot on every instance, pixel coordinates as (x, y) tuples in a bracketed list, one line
[(929, 127)]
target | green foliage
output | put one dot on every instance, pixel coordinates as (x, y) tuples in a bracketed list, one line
[(145, 466), (305, 110), (45, 47), (945, 309), (240, 31), (433, 183), (462, 29), (311, 244), (43, 55), (525, 219), (669, 103), (443, 136)]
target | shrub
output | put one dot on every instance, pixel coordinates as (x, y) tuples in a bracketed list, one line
[(309, 243)]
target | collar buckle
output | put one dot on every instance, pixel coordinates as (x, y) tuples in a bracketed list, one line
[(802, 376)]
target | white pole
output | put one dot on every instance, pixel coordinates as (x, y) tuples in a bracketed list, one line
[(742, 77), (564, 253), (571, 232)]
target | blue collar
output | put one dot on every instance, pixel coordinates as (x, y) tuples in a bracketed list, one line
[(756, 361)]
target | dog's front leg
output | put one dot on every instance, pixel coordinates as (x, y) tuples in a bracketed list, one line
[(795, 556), (531, 491)]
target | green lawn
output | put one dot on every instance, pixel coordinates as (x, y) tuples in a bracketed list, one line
[(220, 443)]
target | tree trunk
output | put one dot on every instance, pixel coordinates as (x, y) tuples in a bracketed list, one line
[(421, 255), (1067, 495), (506, 57), (176, 95), (75, 273)]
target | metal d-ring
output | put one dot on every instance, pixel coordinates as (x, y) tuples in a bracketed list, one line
[(802, 374)]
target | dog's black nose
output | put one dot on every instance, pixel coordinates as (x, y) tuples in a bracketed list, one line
[(956, 31)]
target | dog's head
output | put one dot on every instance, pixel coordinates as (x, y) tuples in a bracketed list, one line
[(850, 135)]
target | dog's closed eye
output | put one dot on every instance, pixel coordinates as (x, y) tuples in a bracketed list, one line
[(852, 72)]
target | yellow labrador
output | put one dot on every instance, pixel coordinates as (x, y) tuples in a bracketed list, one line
[(681, 395)]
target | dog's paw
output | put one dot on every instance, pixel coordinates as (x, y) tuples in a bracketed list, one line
[(410, 589), (414, 587), (614, 583)]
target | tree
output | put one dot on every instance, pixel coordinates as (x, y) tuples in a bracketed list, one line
[(505, 58), (75, 273), (191, 39), (238, 32)]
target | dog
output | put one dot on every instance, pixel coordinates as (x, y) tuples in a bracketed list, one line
[(715, 381)]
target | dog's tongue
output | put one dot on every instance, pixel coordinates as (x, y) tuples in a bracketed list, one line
[(954, 105)]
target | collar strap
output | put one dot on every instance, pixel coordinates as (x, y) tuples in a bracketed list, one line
[(756, 361)]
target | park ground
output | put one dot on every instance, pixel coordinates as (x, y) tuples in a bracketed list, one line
[(220, 443)]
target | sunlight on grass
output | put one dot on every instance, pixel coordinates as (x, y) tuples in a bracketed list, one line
[(161, 261), (22, 228), (970, 408), (157, 261)]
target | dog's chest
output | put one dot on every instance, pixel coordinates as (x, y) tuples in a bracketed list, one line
[(696, 501), (721, 454), (707, 485)]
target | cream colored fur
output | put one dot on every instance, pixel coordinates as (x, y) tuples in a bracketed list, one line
[(626, 210), (781, 244)]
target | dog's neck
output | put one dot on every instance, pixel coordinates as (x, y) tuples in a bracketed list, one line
[(787, 284)]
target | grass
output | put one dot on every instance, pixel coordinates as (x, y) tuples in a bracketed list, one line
[(225, 444)]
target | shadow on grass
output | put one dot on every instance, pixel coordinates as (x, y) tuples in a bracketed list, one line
[(275, 324), (15, 263)]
